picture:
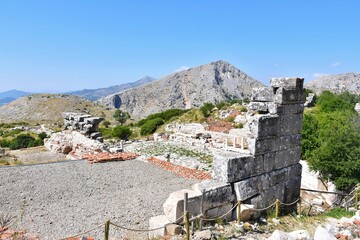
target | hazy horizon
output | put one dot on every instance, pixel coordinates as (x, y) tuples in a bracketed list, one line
[(66, 46)]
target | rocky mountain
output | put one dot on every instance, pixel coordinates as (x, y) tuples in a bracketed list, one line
[(213, 82), (94, 94), (336, 83), (11, 95), (48, 108)]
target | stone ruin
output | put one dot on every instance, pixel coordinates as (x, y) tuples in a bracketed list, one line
[(80, 136), (357, 107), (267, 171), (85, 124)]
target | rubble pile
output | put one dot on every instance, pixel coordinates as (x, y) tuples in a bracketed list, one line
[(105, 157)]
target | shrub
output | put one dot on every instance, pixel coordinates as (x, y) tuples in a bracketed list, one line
[(21, 141), (121, 116), (121, 132), (42, 135), (165, 116), (206, 109), (150, 126)]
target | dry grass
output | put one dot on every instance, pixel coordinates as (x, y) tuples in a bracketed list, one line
[(37, 155)]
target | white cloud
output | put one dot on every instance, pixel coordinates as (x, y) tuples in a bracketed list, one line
[(182, 68), (335, 64), (316, 75)]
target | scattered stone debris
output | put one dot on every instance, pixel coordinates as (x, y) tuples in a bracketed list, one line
[(106, 157), (310, 100), (180, 170)]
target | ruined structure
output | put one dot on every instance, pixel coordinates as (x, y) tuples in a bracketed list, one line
[(80, 136), (268, 169), (357, 107), (85, 124)]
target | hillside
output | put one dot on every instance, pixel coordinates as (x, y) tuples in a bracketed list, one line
[(48, 108), (94, 94), (11, 95), (213, 82), (336, 83)]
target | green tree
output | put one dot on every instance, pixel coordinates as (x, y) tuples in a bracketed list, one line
[(121, 132), (121, 116), (206, 109)]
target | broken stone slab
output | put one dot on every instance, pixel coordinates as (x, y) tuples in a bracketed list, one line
[(300, 235), (287, 83), (203, 235), (81, 118), (288, 96), (322, 234), (263, 107), (157, 222), (173, 230), (219, 211), (174, 205), (234, 169), (280, 235), (262, 94)]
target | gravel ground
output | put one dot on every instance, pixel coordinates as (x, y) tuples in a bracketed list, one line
[(62, 199)]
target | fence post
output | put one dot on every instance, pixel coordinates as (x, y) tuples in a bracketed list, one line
[(277, 208), (186, 216), (239, 211), (107, 228), (356, 200), (299, 213)]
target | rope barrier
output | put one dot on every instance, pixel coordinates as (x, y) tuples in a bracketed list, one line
[(214, 219), (260, 209), (290, 204), (145, 230), (83, 233)]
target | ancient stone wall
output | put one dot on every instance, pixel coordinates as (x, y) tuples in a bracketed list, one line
[(267, 171)]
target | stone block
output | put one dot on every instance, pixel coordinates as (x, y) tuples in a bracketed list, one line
[(229, 170), (263, 107), (247, 188), (288, 157), (290, 124), (287, 83), (219, 211), (288, 96), (290, 109), (264, 126), (287, 141), (261, 146), (215, 193), (174, 205), (269, 161), (156, 222), (262, 94), (292, 190), (294, 171)]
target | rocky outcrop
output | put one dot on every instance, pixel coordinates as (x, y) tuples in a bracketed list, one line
[(357, 107), (214, 82), (336, 83)]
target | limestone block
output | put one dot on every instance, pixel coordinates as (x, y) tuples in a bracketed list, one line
[(292, 190), (263, 107), (156, 222), (80, 118), (248, 188), (219, 211), (287, 83), (229, 170), (261, 146), (288, 157), (290, 109), (269, 161), (290, 124), (262, 94), (215, 193), (287, 141), (277, 235), (294, 171), (246, 212), (288, 96), (264, 126), (174, 205)]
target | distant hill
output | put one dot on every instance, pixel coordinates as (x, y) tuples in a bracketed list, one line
[(213, 82), (94, 94), (48, 108), (11, 95), (336, 83)]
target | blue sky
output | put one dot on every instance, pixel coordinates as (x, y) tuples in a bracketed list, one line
[(55, 46)]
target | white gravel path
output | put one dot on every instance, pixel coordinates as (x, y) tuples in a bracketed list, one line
[(62, 199)]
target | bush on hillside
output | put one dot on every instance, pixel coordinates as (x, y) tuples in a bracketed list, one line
[(206, 109), (165, 116), (121, 132), (150, 126)]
